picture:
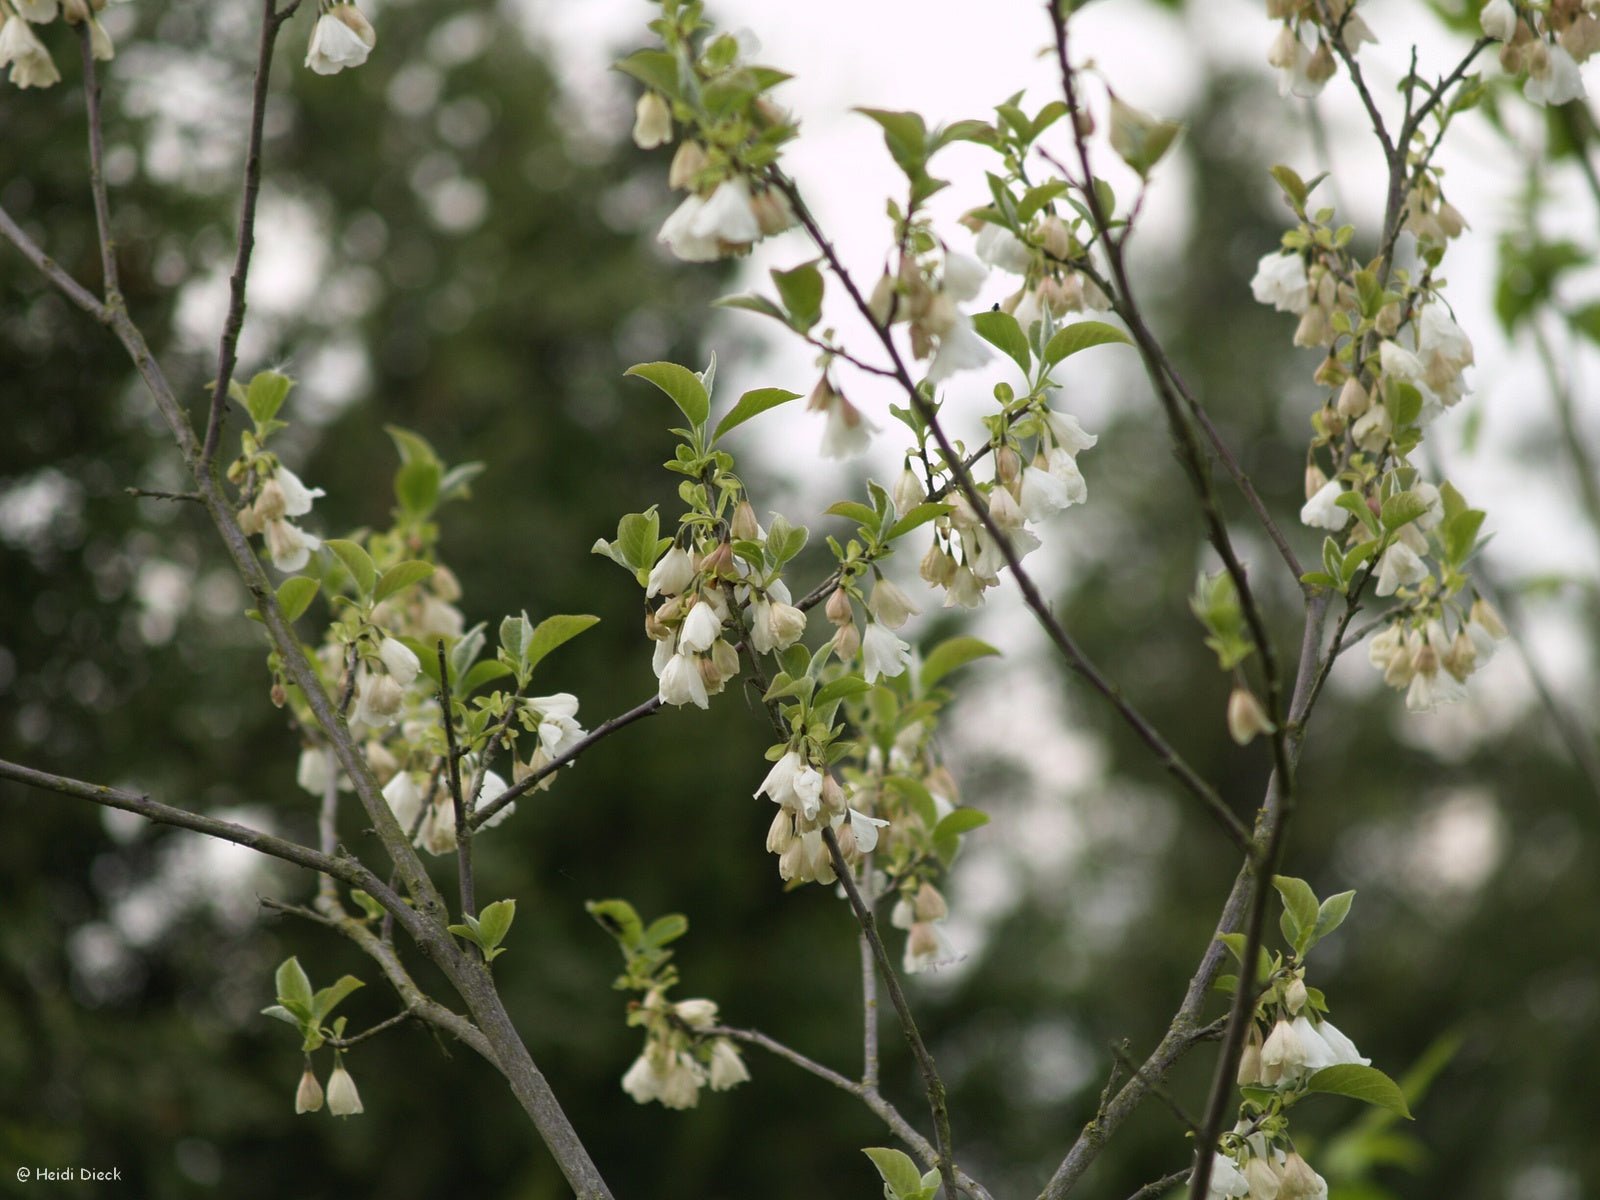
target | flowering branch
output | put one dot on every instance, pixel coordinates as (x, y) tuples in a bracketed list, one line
[(1168, 757), (452, 773)]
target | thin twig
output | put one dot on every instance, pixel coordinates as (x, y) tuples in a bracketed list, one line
[(227, 351), (532, 780), (452, 774), (97, 175), (869, 1015), (52, 270), (148, 494), (1162, 1186)]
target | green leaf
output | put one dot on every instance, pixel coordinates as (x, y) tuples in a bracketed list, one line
[(279, 1013), (494, 922), (618, 918), (1299, 901), (753, 404), (416, 486), (481, 673), (949, 655), (917, 795), (843, 688), (897, 1169), (295, 595), (357, 561), (1080, 336), (962, 820), (1000, 330), (515, 634), (266, 394), (1401, 509), (1331, 914), (1367, 1084), (329, 998), (653, 68), (666, 929), (681, 385), (1293, 186), (367, 903), (552, 632), (801, 291), (853, 510), (1138, 138), (401, 576), (413, 447), (906, 136), (755, 304), (927, 511), (785, 540), (294, 988)]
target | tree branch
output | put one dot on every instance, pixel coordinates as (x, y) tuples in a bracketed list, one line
[(97, 177), (452, 774)]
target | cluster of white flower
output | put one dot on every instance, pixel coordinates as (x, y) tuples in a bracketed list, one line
[(1019, 494), (342, 1098), (922, 916), (281, 497), (342, 37), (883, 655), (700, 592), (925, 294), (678, 1058), (808, 799), (553, 720), (1260, 1171), (1050, 287), (1430, 663), (21, 49), (1545, 42), (1303, 52), (847, 433), (425, 808)]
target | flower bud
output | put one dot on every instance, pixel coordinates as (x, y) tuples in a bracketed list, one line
[(908, 491), (882, 304), (1485, 614), (781, 831), (278, 695), (929, 905), (772, 211), (308, 1096), (719, 563), (1299, 1181), (356, 22), (923, 941), (849, 850), (833, 796), (1246, 717), (249, 523), (1330, 373), (1321, 66), (1315, 480), (839, 609), (1249, 1074), (1294, 996), (846, 642), (1055, 239), (1083, 123), (1353, 399), (1387, 321), (937, 567), (74, 12), (383, 763), (384, 696), (652, 122), (726, 658), (698, 1013), (1263, 1180), (744, 525), (687, 163), (791, 860), (1007, 465)]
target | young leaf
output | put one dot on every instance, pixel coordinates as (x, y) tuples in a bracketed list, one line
[(266, 395), (1299, 901), (329, 998), (357, 561), (801, 292), (552, 632), (962, 820), (1001, 331), (1367, 1084), (668, 928), (294, 988), (401, 576), (681, 385), (494, 922), (752, 404), (897, 1169), (295, 595), (1081, 335), (949, 655)]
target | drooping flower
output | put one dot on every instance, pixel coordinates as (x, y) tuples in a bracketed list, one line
[(682, 683), (672, 575), (1226, 1179), (1321, 512), (865, 830), (308, 1096), (641, 1080), (890, 604), (1399, 567), (1281, 281), (700, 628), (960, 349), (677, 233), (1498, 20), (882, 653), (343, 1099), (727, 1067), (342, 37), (1554, 79), (405, 799), (37, 12), (1341, 1047), (31, 64), (963, 276), (847, 433), (1001, 248), (558, 726)]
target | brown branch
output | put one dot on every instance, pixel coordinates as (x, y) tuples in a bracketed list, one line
[(52, 270)]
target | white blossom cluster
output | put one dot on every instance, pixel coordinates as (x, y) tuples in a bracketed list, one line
[(809, 798), (21, 48), (1545, 43), (678, 1057)]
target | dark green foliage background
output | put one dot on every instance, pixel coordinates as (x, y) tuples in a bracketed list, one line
[(172, 1078)]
